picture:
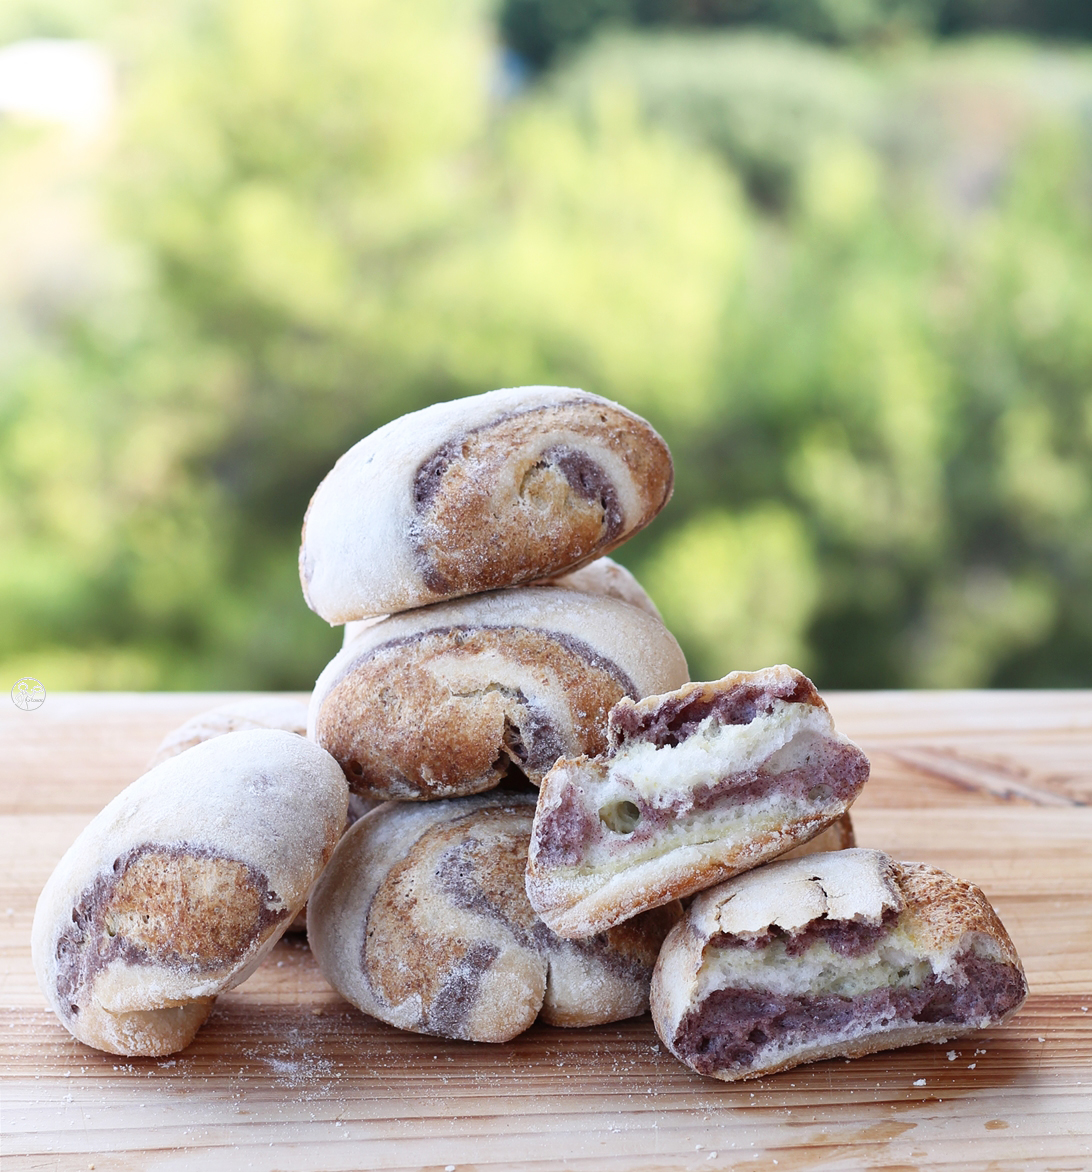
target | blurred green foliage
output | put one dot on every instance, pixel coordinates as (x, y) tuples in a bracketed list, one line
[(543, 31), (854, 292)]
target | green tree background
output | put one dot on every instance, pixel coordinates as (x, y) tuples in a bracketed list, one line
[(849, 280)]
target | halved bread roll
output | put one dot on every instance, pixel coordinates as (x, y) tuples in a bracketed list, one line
[(443, 701), (421, 921), (697, 785), (833, 955), (488, 491), (180, 886)]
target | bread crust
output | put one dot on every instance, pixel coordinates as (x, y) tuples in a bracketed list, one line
[(180, 886), (443, 701), (480, 493), (773, 746), (420, 920), (929, 915), (838, 836)]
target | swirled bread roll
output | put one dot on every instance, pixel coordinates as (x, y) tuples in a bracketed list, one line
[(833, 955), (180, 886), (695, 786), (283, 712), (442, 701), (603, 576), (489, 491), (421, 921)]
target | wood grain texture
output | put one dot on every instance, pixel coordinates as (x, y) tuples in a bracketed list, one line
[(994, 787)]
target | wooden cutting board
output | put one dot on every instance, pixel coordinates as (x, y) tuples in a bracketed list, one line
[(995, 787)]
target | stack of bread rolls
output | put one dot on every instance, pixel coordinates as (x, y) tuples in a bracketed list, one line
[(491, 649), (529, 788)]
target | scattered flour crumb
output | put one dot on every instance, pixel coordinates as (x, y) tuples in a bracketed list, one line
[(919, 1082), (972, 1065), (952, 1056)]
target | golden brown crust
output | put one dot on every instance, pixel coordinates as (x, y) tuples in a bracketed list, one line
[(504, 512), (399, 730), (945, 909), (204, 908)]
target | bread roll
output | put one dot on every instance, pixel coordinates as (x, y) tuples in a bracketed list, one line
[(421, 921), (180, 886), (489, 491), (442, 701), (696, 785), (833, 955)]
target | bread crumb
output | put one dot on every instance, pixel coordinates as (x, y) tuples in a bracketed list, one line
[(919, 1082), (951, 1055), (972, 1066)]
